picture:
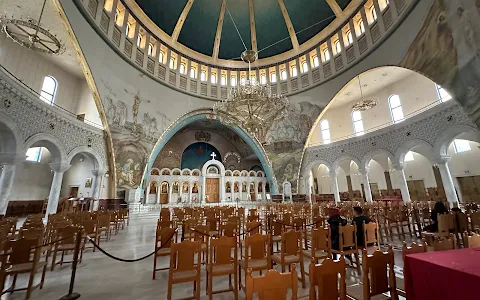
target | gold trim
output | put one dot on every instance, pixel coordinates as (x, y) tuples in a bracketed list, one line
[(218, 35), (335, 7), (181, 20), (253, 31), (96, 97), (288, 23)]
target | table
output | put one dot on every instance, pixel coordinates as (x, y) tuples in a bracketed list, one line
[(453, 274)]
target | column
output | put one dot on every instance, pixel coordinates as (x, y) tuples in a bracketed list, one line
[(388, 180), (204, 182), (301, 185), (170, 190), (97, 185), (58, 171), (6, 183), (366, 185), (336, 193), (248, 191), (438, 177), (190, 187), (349, 186), (308, 188), (447, 180), (402, 182)]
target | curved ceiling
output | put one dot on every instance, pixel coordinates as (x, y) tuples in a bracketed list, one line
[(308, 17)]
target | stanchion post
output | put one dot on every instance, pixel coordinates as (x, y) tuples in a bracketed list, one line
[(71, 295)]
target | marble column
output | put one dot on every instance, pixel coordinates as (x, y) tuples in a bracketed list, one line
[(308, 188), (447, 180), (401, 181), (97, 186), (190, 187), (301, 185), (366, 184), (58, 171), (170, 190), (336, 192), (248, 191), (6, 183)]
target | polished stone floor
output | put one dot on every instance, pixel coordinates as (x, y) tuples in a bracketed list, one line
[(100, 277)]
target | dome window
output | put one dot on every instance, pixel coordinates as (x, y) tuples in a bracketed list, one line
[(203, 76), (49, 89), (304, 67), (273, 77)]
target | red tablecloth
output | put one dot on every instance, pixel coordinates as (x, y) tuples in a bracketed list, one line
[(445, 275)]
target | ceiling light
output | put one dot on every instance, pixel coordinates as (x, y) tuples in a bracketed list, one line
[(365, 103)]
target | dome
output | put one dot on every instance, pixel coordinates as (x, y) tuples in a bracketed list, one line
[(261, 23)]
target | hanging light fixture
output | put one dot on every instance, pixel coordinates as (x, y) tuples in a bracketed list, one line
[(365, 103), (29, 34)]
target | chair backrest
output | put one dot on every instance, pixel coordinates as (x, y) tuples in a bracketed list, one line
[(461, 222), (66, 235), (318, 222), (473, 241), (444, 243), (414, 248), (229, 229), (475, 219), (277, 228), (201, 234), (321, 240), (165, 214), (21, 250), (378, 274), (103, 220), (329, 278), (348, 236), (252, 228), (272, 286), (446, 224), (291, 242), (371, 234), (212, 223), (257, 246), (221, 251), (164, 224), (164, 237), (182, 256)]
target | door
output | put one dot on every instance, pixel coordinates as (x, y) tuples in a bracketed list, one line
[(212, 192), (374, 189), (164, 193), (73, 192), (416, 189)]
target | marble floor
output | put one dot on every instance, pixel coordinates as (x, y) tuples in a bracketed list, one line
[(100, 277)]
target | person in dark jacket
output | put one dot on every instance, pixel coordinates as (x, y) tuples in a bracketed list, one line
[(335, 220), (358, 220), (439, 208)]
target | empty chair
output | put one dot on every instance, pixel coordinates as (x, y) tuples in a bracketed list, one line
[(414, 248), (163, 242), (328, 279), (272, 286), (320, 246), (256, 256), (184, 266), (291, 252), (223, 261), (444, 243), (473, 241), (371, 236)]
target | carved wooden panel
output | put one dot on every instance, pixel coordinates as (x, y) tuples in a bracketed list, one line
[(350, 52), (128, 48), (362, 44), (305, 81), (294, 82), (150, 65), (327, 70), (193, 86), (387, 18), (92, 7), (284, 87), (212, 190), (139, 57), (338, 63), (213, 91), (316, 75), (203, 89), (375, 32), (117, 35), (161, 72), (183, 82), (104, 21), (172, 79)]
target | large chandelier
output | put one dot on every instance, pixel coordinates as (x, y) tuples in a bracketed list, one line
[(28, 33), (251, 105), (365, 103)]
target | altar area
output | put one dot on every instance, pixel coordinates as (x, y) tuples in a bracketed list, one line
[(211, 184)]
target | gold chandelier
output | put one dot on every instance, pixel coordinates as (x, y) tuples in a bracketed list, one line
[(251, 105), (365, 103)]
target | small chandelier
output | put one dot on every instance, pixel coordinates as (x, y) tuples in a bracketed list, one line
[(29, 34), (365, 103), (252, 106)]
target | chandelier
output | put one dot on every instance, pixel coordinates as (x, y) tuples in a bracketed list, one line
[(29, 34), (251, 105), (365, 103)]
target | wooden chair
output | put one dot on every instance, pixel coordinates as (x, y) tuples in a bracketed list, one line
[(256, 256), (320, 244), (21, 261), (276, 233), (414, 248), (272, 286), (329, 278), (378, 277), (371, 236), (443, 243), (348, 242), (222, 263), (473, 241), (66, 242), (291, 252), (474, 221), (90, 231), (103, 225), (201, 235), (163, 242), (185, 263)]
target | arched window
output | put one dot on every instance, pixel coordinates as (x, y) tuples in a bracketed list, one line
[(357, 123), (117, 14), (325, 127), (361, 26), (395, 108), (373, 13), (203, 76), (233, 81), (172, 63), (243, 80), (49, 89), (127, 29), (150, 49), (409, 156), (283, 74), (183, 68), (213, 79), (34, 154), (193, 73), (316, 63), (294, 71), (139, 40), (263, 79), (223, 80), (161, 57), (338, 47), (326, 54), (253, 77), (349, 37), (304, 67), (273, 77), (461, 146), (443, 95)]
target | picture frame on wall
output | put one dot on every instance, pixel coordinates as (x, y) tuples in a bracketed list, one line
[(88, 183)]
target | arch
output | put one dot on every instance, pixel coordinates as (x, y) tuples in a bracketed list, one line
[(228, 173), (50, 142), (186, 172), (260, 174), (165, 171), (416, 145), (11, 141), (176, 172), (252, 174), (338, 161), (202, 114), (309, 167), (371, 154), (216, 163), (155, 171), (444, 139), (196, 172), (92, 155)]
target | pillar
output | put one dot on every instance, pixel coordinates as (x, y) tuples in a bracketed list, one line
[(97, 185), (6, 183), (336, 193), (190, 187), (447, 180), (388, 181), (349, 186), (58, 171), (366, 185), (203, 195), (170, 190), (301, 185), (308, 188), (438, 177), (402, 182)]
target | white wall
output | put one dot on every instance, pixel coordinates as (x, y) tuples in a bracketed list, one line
[(32, 179), (77, 176)]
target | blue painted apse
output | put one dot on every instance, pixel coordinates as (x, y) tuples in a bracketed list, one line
[(197, 154)]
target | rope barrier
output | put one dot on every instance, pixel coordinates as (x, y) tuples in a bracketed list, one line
[(129, 260)]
